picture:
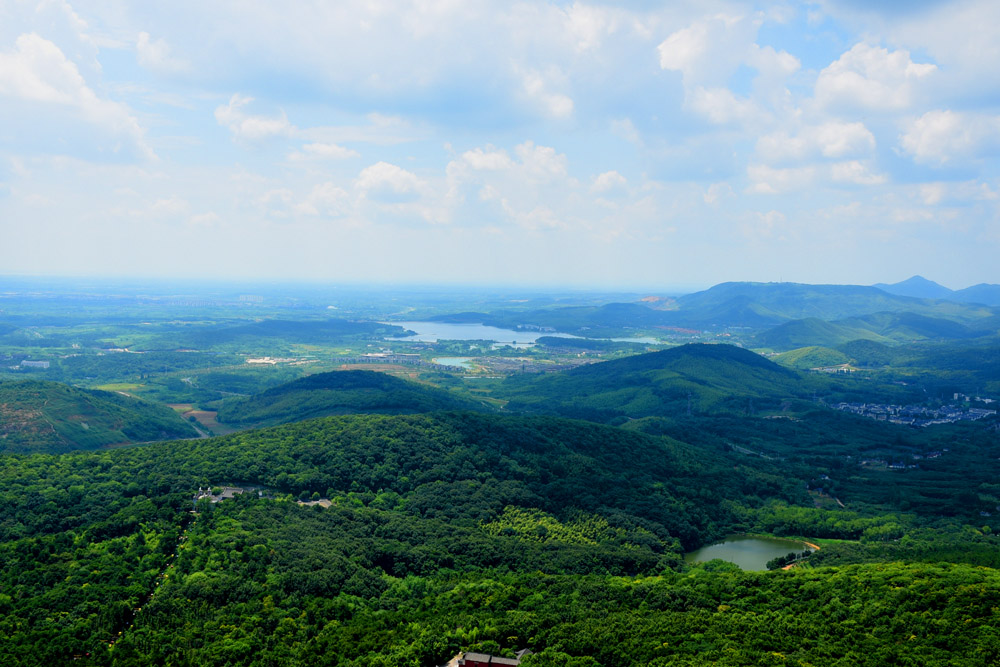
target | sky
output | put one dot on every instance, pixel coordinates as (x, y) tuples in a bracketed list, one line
[(639, 144)]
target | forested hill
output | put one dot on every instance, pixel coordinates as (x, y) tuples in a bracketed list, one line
[(886, 328), (468, 465), (39, 416), (445, 532), (709, 378), (339, 393)]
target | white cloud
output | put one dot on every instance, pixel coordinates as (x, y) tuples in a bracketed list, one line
[(872, 77), (769, 180), (327, 199), (721, 106), (856, 172), (772, 63), (833, 139), (383, 180), (609, 180), (248, 127), (708, 49), (541, 162), (323, 151), (488, 159), (155, 54), (940, 137), (37, 71), (588, 25), (537, 88)]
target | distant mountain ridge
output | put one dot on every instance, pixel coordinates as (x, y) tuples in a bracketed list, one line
[(752, 305), (920, 287)]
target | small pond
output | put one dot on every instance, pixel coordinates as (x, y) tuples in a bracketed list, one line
[(749, 553)]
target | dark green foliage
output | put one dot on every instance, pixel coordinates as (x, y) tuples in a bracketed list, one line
[(454, 532), (886, 328), (711, 378), (336, 393)]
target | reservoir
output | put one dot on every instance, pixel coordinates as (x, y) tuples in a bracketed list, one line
[(749, 553), (461, 362), (432, 332)]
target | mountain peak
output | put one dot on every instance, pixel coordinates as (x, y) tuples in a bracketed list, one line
[(916, 286)]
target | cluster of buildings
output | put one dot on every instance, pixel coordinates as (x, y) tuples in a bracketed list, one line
[(225, 493), (485, 660), (915, 415)]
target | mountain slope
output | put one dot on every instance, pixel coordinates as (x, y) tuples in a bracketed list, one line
[(727, 303), (39, 416), (714, 378), (814, 332), (339, 393), (982, 293), (886, 328)]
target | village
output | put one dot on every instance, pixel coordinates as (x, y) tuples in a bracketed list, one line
[(915, 415)]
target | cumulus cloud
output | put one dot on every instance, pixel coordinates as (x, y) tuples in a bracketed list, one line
[(942, 136), (709, 49), (834, 139), (721, 106), (872, 77), (488, 159), (37, 71), (248, 127), (388, 182)]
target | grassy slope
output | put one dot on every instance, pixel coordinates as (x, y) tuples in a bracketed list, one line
[(48, 416)]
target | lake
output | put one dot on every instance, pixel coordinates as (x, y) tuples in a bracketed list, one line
[(749, 553), (461, 362), (432, 332)]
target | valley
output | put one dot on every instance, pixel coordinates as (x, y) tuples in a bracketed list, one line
[(420, 498)]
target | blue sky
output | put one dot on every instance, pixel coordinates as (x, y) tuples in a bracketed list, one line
[(637, 144)]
